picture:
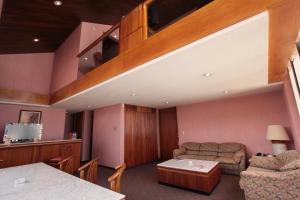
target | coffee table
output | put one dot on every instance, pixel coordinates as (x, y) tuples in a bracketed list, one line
[(197, 175)]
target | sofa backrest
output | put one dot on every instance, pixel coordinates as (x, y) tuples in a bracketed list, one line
[(193, 146), (230, 147), (212, 148)]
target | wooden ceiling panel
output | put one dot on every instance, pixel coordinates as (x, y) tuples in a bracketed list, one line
[(23, 20)]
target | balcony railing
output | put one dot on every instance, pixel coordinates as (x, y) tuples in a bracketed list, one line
[(100, 51)]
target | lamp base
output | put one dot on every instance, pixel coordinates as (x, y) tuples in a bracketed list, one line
[(278, 148)]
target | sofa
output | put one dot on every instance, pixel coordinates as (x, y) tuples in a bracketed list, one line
[(272, 178), (231, 156)]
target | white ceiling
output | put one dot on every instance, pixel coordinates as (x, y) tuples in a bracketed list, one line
[(237, 57)]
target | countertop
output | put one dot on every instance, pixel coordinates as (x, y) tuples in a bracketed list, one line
[(44, 182)]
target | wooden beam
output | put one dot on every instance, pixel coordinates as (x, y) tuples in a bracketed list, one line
[(17, 96), (209, 19), (283, 29)]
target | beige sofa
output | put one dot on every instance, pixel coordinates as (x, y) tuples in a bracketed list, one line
[(231, 156), (271, 178)]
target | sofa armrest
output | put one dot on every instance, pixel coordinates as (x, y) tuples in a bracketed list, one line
[(240, 157), (178, 152), (270, 184), (264, 178)]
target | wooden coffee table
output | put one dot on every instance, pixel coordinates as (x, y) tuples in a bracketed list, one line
[(197, 175)]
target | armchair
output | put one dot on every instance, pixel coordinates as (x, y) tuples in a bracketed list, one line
[(272, 177)]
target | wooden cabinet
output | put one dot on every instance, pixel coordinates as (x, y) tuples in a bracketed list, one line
[(140, 135), (22, 154)]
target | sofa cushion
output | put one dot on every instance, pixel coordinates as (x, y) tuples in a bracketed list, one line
[(226, 160), (266, 162), (289, 156), (185, 156), (212, 158), (197, 157), (191, 146), (291, 166), (209, 146), (207, 153), (229, 166), (229, 147), (227, 155), (191, 152)]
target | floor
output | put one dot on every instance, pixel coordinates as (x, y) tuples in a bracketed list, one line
[(140, 183)]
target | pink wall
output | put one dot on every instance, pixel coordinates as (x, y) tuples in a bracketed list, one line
[(108, 135), (86, 135), (53, 119), (66, 62), (90, 32), (26, 72), (242, 119), (292, 111)]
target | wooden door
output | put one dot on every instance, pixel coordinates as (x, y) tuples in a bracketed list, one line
[(140, 135), (168, 131), (78, 124)]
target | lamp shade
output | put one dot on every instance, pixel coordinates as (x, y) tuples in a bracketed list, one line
[(277, 132)]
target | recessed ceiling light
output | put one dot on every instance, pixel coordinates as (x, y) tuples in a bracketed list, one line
[(207, 74), (115, 36), (36, 39), (85, 58), (133, 95), (166, 102), (226, 92), (57, 3), (89, 106)]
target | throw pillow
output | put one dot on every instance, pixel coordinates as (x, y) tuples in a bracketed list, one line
[(266, 162)]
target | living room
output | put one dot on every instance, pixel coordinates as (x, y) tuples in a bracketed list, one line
[(213, 114)]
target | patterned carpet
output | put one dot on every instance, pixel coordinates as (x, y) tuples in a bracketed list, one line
[(140, 183)]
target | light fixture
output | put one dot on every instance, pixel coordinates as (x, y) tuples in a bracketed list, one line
[(133, 95), (57, 3), (115, 36), (207, 74), (36, 39), (166, 102), (85, 58), (226, 92), (278, 135), (89, 106)]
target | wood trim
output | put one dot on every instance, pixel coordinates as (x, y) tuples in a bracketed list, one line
[(17, 96), (284, 25), (211, 18), (40, 143), (104, 35)]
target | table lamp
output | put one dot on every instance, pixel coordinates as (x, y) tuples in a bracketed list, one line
[(278, 136)]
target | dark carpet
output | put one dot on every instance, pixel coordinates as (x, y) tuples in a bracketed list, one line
[(140, 183)]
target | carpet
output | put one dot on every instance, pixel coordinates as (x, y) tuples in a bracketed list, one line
[(140, 183)]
